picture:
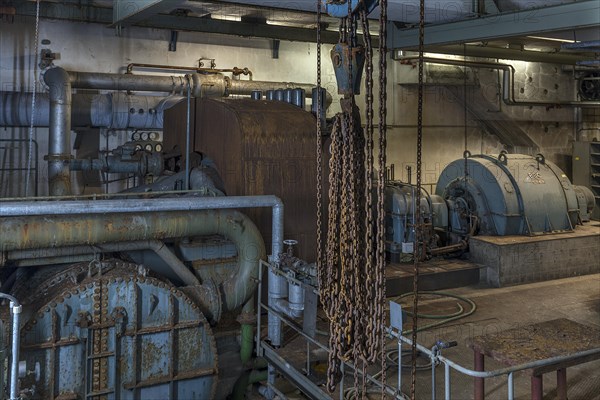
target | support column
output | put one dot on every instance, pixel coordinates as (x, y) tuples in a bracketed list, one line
[(479, 382)]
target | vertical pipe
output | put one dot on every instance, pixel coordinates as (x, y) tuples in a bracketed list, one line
[(447, 381), (259, 309), (14, 369), (342, 380), (187, 134), (537, 387), (511, 387), (277, 284), (479, 382), (59, 140), (400, 364), (15, 308), (433, 393), (561, 384)]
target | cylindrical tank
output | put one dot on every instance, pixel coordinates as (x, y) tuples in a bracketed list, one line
[(109, 329), (510, 194)]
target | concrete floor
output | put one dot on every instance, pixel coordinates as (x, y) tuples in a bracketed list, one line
[(498, 309)]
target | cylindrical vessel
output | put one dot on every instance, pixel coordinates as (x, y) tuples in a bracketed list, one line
[(298, 98), (256, 95), (270, 95), (295, 296), (279, 94), (287, 96)]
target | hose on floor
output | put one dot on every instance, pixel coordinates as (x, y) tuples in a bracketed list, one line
[(441, 319)]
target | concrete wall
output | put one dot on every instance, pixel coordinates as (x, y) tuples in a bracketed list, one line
[(90, 47)]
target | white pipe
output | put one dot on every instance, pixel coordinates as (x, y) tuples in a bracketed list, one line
[(16, 309)]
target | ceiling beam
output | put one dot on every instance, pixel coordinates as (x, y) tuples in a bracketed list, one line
[(87, 13), (580, 14), (128, 12)]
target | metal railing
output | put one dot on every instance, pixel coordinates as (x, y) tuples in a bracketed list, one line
[(6, 156), (434, 354), (436, 358)]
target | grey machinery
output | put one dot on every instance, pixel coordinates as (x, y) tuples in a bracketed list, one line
[(507, 194)]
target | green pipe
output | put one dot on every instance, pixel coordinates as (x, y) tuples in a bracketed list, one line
[(257, 376), (247, 321), (248, 378)]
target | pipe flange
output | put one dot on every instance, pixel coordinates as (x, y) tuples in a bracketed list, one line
[(246, 318), (58, 157)]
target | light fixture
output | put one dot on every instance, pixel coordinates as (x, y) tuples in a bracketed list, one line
[(551, 39)]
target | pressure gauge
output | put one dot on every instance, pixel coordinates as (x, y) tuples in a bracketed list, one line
[(158, 147), (153, 135), (138, 147), (148, 147), (144, 136), (135, 136)]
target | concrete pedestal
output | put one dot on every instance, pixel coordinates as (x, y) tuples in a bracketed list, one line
[(512, 260)]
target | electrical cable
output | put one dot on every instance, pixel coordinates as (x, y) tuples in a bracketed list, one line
[(443, 318), (33, 95)]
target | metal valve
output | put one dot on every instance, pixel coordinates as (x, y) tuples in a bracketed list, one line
[(290, 243)]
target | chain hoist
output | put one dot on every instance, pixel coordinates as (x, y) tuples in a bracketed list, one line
[(352, 265)]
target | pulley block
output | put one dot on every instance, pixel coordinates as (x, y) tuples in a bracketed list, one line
[(339, 8), (348, 64)]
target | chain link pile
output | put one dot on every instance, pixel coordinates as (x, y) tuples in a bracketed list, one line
[(352, 266)]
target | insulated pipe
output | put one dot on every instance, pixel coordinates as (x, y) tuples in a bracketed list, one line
[(113, 110), (508, 82), (59, 140)]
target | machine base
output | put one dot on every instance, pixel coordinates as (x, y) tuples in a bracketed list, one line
[(513, 260), (435, 274)]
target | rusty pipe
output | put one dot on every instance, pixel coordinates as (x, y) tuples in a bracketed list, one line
[(235, 70), (31, 232), (462, 245)]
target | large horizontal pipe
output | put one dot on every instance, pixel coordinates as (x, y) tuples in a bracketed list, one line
[(508, 82), (202, 85), (31, 232), (88, 207)]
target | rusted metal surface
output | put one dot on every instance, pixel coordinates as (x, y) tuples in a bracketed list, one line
[(555, 338), (259, 147), (109, 330)]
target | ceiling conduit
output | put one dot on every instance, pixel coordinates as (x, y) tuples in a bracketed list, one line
[(508, 82)]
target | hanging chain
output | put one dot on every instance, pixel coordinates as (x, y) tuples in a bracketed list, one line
[(33, 95), (319, 156), (380, 270), (419, 242), (352, 265)]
